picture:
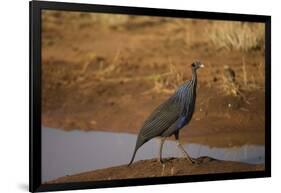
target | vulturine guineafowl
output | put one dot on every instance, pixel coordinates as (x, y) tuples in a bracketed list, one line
[(171, 116)]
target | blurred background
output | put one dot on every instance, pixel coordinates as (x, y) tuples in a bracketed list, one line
[(107, 72)]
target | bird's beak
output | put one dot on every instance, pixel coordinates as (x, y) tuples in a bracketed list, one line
[(202, 65)]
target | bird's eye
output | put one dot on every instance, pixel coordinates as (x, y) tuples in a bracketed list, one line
[(193, 65)]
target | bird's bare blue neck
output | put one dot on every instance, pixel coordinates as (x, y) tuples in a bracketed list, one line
[(194, 77)]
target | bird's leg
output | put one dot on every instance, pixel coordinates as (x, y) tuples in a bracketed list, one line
[(162, 140), (179, 145)]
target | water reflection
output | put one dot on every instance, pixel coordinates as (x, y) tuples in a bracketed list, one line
[(67, 153)]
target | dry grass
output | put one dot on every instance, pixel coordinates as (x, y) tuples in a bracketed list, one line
[(242, 36), (245, 81), (245, 36), (80, 19), (112, 68), (230, 88), (252, 81), (109, 19), (168, 82)]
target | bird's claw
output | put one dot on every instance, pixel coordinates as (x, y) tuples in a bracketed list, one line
[(161, 161), (194, 161)]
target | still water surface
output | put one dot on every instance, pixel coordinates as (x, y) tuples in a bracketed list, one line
[(70, 152)]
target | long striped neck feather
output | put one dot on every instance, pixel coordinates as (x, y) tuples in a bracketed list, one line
[(184, 92)]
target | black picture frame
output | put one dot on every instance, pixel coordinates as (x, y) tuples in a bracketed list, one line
[(35, 8)]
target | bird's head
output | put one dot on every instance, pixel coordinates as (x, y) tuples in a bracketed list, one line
[(196, 65)]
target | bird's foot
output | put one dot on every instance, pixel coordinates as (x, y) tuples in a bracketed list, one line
[(161, 161), (194, 161)]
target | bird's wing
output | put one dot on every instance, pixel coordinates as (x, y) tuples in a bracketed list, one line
[(160, 119)]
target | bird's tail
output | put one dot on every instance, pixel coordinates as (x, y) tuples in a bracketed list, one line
[(138, 144), (133, 157)]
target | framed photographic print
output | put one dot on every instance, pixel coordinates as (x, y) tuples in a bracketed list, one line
[(124, 96)]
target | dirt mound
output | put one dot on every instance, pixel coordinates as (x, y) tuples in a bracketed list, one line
[(152, 168)]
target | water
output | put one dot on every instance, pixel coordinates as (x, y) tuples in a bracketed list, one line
[(67, 153)]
